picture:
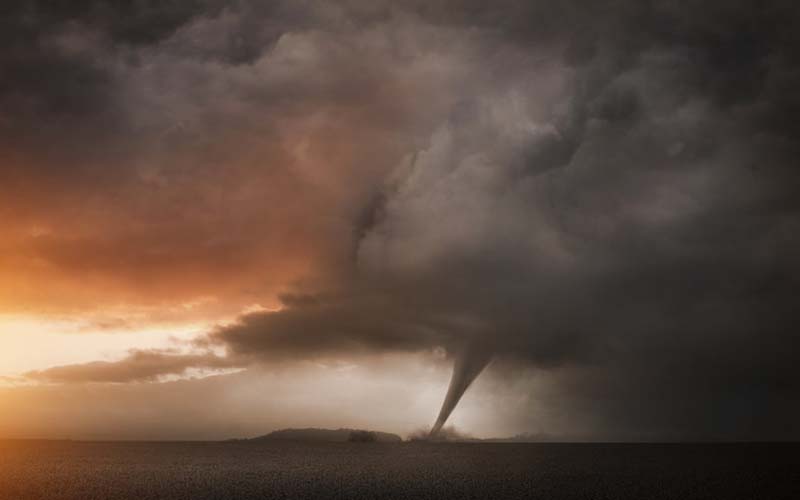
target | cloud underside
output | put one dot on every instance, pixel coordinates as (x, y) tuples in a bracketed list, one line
[(582, 189)]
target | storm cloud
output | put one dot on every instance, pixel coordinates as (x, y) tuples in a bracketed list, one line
[(606, 192)]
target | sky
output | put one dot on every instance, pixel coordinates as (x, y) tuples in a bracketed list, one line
[(225, 217)]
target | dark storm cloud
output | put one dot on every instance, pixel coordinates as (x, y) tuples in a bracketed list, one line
[(643, 222), (55, 54), (172, 149), (607, 190), (138, 366), (351, 323)]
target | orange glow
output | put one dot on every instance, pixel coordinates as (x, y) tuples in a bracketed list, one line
[(35, 342)]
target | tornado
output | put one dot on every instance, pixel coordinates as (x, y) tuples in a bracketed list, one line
[(469, 363)]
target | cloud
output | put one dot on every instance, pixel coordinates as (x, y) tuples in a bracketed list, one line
[(175, 166), (138, 366)]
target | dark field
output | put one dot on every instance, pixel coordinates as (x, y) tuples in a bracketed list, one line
[(197, 471)]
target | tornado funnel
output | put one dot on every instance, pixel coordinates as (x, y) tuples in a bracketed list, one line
[(468, 365)]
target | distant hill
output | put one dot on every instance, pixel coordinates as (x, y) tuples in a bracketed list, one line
[(328, 435)]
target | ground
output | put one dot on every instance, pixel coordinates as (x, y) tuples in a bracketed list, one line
[(40, 470)]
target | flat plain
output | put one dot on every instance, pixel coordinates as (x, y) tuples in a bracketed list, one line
[(74, 470)]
